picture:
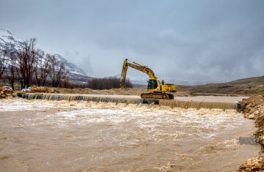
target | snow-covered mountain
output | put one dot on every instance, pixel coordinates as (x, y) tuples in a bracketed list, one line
[(10, 43)]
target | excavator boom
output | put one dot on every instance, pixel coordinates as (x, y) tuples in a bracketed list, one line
[(135, 66), (123, 74)]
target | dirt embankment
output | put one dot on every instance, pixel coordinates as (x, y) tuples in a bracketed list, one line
[(254, 109), (6, 92)]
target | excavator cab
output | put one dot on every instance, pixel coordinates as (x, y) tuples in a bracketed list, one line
[(152, 84)]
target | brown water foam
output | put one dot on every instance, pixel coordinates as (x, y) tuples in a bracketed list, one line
[(98, 136), (197, 105)]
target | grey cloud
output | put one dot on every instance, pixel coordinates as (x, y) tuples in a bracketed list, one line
[(193, 41)]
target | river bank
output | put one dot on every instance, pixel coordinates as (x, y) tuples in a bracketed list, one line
[(253, 108)]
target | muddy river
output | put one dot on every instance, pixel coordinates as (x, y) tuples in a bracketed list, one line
[(85, 136)]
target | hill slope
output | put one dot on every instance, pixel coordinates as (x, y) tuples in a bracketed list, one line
[(247, 86)]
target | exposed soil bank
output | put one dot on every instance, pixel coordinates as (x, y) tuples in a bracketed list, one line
[(39, 135), (254, 109)]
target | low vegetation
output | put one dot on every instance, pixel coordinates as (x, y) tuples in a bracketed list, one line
[(107, 83)]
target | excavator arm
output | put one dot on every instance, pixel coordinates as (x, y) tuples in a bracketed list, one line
[(138, 67)]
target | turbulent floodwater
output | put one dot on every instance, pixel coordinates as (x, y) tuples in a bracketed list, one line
[(86, 136)]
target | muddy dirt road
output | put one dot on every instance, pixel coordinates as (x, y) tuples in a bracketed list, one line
[(86, 136)]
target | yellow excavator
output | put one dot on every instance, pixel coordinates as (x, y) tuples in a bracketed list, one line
[(156, 89)]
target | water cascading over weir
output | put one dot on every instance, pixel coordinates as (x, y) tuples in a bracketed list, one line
[(133, 100)]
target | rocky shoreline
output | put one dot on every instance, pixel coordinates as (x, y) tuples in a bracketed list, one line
[(253, 108)]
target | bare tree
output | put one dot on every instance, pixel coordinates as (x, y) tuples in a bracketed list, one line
[(12, 73), (42, 68), (2, 64), (11, 69), (57, 71), (27, 56), (29, 65)]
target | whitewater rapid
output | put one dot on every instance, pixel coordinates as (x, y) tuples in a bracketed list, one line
[(88, 136)]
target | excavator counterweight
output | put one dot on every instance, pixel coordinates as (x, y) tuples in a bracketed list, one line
[(156, 90)]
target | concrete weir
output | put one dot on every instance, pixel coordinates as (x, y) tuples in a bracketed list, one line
[(188, 102)]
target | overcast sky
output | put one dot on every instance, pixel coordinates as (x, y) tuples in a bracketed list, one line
[(193, 41)]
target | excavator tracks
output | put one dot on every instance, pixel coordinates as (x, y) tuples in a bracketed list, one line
[(157, 96)]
